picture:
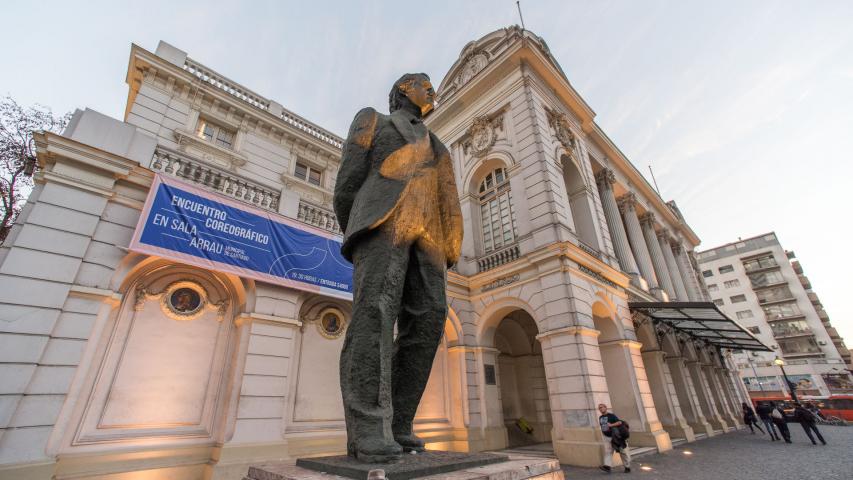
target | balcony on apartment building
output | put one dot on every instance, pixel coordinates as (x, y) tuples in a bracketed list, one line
[(795, 347), (798, 269), (766, 279), (790, 329), (760, 264), (776, 294)]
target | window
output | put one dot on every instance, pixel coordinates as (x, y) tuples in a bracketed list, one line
[(727, 269), (790, 328), (743, 314), (713, 287), (308, 174), (216, 134), (707, 273), (496, 211), (738, 298), (760, 263), (718, 302), (781, 310), (764, 279), (774, 294), (731, 283), (799, 346), (754, 329)]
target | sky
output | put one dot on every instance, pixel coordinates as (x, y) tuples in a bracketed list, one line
[(744, 109)]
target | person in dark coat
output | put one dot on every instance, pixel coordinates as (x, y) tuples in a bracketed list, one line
[(616, 432), (764, 411), (807, 419), (749, 418), (778, 417)]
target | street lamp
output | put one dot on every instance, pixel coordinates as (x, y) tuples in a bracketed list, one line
[(791, 385)]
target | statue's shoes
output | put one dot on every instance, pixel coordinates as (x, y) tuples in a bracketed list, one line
[(378, 451), (410, 443)]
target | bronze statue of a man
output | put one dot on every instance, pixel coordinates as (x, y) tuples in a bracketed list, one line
[(397, 202)]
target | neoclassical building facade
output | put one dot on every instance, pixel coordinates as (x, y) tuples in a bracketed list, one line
[(116, 363)]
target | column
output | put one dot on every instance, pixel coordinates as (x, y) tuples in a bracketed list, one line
[(627, 204), (687, 396), (666, 403), (605, 180), (647, 223), (576, 385), (726, 394), (703, 393), (672, 266), (723, 407), (687, 274)]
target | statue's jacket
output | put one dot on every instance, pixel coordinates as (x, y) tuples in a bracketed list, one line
[(384, 162)]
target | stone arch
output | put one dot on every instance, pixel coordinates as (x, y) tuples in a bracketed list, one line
[(521, 396), (581, 201), (495, 159), (490, 318), (617, 364), (453, 328), (161, 368)]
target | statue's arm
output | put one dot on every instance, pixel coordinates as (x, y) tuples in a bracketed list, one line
[(451, 214), (354, 166)]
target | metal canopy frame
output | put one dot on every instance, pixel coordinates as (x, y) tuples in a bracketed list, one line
[(702, 321)]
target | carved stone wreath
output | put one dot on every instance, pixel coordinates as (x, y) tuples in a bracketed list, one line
[(483, 134), (183, 300), (562, 132), (475, 63)]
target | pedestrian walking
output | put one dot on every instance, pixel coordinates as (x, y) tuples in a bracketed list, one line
[(749, 418), (778, 417), (764, 410), (807, 419), (617, 432)]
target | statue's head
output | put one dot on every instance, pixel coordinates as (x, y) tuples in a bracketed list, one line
[(414, 89)]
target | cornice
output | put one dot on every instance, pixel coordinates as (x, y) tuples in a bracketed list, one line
[(140, 59)]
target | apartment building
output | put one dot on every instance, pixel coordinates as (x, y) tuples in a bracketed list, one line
[(763, 286)]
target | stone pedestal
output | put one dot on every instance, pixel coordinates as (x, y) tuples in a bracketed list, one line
[(431, 465)]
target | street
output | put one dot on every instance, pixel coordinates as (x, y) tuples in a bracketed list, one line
[(740, 455)]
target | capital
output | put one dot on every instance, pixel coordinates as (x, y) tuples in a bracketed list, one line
[(648, 219), (627, 202), (605, 178), (663, 234)]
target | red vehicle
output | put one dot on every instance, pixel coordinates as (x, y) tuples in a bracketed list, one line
[(840, 406)]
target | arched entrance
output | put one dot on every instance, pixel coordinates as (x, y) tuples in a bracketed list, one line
[(521, 378), (617, 361)]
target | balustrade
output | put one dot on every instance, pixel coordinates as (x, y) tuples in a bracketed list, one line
[(216, 179), (318, 217), (496, 259)]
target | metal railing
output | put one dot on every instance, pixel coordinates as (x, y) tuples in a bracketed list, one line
[(498, 258), (219, 180)]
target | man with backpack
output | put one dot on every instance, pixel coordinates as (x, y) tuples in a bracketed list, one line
[(617, 432)]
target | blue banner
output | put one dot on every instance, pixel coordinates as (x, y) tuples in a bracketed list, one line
[(185, 223)]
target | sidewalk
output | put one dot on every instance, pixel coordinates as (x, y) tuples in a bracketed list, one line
[(739, 455)]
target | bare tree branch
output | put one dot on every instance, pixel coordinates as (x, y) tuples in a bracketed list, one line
[(17, 149)]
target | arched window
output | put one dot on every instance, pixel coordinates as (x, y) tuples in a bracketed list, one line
[(498, 218)]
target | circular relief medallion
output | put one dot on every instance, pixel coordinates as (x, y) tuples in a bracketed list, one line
[(331, 324), (183, 300)]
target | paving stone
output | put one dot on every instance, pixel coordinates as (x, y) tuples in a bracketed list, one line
[(740, 455)]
